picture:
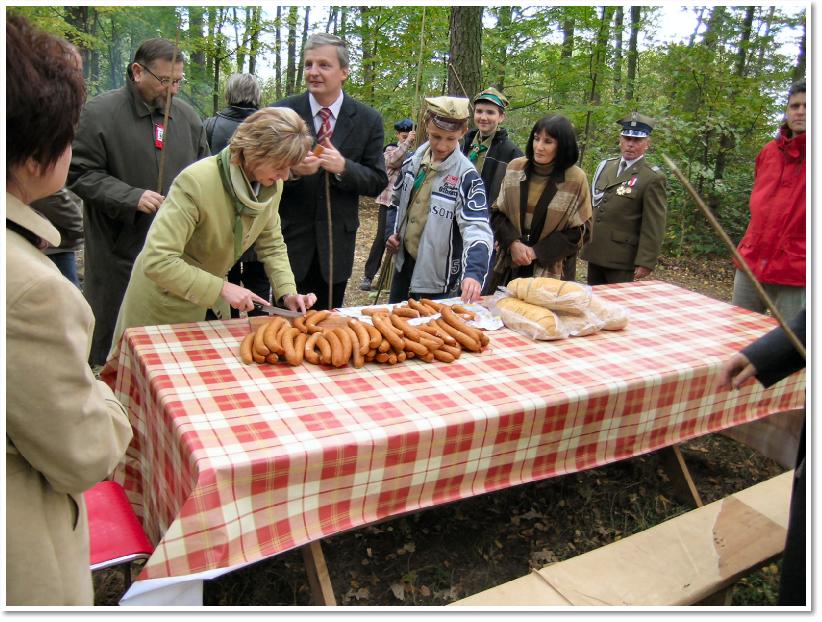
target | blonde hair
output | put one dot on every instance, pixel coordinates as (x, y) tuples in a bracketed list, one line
[(277, 136)]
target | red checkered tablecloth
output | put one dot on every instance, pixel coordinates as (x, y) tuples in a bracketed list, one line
[(233, 463)]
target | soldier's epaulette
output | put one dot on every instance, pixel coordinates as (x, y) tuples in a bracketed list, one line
[(655, 168), (614, 158)]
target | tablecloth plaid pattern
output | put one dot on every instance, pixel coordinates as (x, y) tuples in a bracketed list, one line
[(233, 463)]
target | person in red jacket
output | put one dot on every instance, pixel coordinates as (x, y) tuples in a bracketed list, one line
[(774, 243)]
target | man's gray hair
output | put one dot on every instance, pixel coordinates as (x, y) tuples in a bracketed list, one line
[(324, 38), (242, 89)]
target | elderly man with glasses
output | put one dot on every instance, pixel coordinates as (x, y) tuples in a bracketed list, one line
[(115, 169)]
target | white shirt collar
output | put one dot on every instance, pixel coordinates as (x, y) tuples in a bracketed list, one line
[(335, 106), (630, 163)]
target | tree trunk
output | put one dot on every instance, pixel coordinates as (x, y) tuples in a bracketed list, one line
[(366, 36), (765, 40), (465, 64), (567, 37), (196, 22), (278, 58), (618, 26), (239, 45), (343, 22), (597, 66), (292, 51), (218, 55), (727, 141), (799, 69), (212, 29), (81, 18), (299, 77), (255, 39), (332, 20), (636, 14), (504, 25)]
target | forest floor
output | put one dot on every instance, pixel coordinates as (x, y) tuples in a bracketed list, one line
[(445, 553)]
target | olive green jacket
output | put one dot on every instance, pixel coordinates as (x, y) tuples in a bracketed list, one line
[(629, 216), (189, 249)]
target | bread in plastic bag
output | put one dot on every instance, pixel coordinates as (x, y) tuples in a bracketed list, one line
[(530, 320), (553, 294), (612, 315)]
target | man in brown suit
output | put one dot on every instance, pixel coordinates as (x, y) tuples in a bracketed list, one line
[(115, 170), (629, 209)]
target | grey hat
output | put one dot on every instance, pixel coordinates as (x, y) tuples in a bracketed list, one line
[(637, 125)]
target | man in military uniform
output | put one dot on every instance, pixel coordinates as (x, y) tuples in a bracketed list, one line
[(629, 209)]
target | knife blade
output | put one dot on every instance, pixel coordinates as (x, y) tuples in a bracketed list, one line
[(271, 310)]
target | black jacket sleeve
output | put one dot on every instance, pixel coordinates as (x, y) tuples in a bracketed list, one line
[(558, 245), (774, 356)]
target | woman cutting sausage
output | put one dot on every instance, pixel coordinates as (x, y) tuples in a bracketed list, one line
[(216, 209)]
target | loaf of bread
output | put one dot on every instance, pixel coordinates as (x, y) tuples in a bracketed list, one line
[(531, 320), (612, 315), (567, 296)]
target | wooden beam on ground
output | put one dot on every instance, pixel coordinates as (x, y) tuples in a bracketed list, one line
[(322, 592)]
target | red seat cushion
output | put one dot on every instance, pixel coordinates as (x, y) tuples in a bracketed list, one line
[(115, 533)]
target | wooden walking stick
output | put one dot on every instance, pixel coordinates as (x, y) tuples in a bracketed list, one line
[(387, 268), (161, 171), (742, 263)]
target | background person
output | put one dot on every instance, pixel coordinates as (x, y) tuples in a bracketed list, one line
[(774, 242), (438, 215), (394, 154), (115, 171), (64, 210), (352, 136), (543, 212), (630, 207), (216, 209), (242, 94), (65, 430)]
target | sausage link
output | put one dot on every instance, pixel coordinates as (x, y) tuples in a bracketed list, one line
[(272, 358), (336, 348), (442, 355), (466, 341), (451, 318), (272, 329), (384, 345), (310, 351), (434, 305), (363, 338), (299, 348), (382, 357), (454, 351), (405, 312), (357, 355), (299, 324), (325, 349), (259, 346), (312, 321), (375, 336), (384, 326), (289, 347), (345, 340), (245, 349), (416, 347), (423, 310)]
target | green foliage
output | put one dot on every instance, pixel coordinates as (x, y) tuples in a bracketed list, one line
[(717, 98)]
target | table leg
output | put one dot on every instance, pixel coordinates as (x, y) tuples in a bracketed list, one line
[(322, 593), (684, 488)]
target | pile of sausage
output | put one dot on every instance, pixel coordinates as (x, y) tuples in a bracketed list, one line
[(389, 339)]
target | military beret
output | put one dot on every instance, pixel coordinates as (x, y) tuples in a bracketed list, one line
[(406, 125), (637, 125), (448, 113), (494, 96)]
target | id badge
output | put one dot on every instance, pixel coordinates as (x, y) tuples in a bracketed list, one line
[(159, 133)]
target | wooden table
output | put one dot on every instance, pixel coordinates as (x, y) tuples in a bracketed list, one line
[(232, 463)]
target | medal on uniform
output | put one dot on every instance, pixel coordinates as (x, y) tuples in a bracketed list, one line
[(159, 134)]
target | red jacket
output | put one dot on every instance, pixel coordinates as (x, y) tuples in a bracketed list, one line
[(774, 243)]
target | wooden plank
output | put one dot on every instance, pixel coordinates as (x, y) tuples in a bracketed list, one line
[(684, 488), (322, 592)]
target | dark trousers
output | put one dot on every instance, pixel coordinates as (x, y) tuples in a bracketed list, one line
[(66, 262), (314, 282), (598, 275), (792, 580), (401, 284), (372, 264), (251, 275)]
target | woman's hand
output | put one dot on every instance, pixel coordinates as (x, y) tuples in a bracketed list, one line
[(239, 297), (300, 302), (470, 290), (522, 254), (309, 165)]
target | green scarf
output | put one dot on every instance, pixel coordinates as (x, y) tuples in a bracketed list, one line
[(223, 165)]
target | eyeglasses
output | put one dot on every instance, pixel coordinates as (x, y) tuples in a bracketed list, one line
[(164, 82)]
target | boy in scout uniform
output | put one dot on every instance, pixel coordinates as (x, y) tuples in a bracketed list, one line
[(629, 209), (438, 221)]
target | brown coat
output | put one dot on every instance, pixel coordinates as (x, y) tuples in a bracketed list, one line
[(65, 430)]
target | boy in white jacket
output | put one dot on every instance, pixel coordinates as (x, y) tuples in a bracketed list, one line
[(438, 221)]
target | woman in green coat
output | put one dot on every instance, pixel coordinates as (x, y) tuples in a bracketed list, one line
[(216, 209)]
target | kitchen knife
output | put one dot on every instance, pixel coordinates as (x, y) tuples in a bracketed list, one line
[(276, 310)]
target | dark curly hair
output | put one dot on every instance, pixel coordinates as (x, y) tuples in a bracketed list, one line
[(560, 129), (45, 93)]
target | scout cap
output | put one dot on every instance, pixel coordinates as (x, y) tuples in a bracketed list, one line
[(494, 96), (448, 113), (406, 125), (637, 125)]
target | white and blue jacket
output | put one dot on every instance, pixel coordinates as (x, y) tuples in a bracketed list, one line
[(457, 239)]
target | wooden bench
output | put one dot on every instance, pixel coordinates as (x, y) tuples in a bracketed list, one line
[(683, 561)]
